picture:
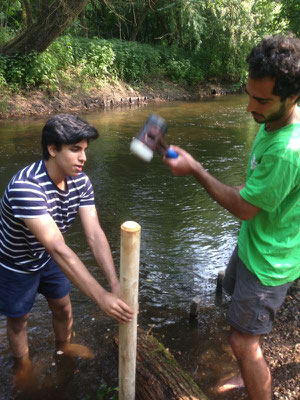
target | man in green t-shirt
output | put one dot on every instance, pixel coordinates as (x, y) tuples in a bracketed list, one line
[(267, 258)]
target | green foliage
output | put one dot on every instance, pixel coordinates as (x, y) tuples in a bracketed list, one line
[(29, 71), (186, 22), (289, 16), (104, 393), (6, 34), (266, 17), (228, 38), (135, 62), (177, 69), (2, 71), (64, 58), (11, 14), (3, 104), (98, 59), (181, 66), (186, 41), (94, 57)]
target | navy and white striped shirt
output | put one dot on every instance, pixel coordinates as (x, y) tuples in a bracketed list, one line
[(31, 194)]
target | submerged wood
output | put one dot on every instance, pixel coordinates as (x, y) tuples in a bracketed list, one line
[(158, 375)]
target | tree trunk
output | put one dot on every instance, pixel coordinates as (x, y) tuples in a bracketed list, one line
[(84, 25), (158, 375), (53, 18), (26, 13), (148, 7)]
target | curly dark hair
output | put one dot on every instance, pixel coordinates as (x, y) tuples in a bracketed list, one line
[(277, 57)]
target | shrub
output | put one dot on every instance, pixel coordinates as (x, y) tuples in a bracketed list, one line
[(2, 71), (6, 34), (135, 62), (94, 57), (84, 60)]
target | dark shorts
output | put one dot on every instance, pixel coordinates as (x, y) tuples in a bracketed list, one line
[(253, 306), (18, 291)]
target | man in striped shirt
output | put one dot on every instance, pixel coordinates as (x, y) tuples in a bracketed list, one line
[(39, 204)]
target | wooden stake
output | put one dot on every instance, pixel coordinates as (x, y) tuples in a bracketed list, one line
[(129, 282)]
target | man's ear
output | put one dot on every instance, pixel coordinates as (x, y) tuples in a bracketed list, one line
[(52, 150)]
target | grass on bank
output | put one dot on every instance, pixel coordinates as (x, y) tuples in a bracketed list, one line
[(71, 61)]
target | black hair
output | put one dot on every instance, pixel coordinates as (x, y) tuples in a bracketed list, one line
[(66, 129), (277, 57)]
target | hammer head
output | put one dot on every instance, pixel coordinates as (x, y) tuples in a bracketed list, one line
[(150, 138)]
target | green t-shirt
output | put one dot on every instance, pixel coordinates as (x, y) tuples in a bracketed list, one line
[(269, 243)]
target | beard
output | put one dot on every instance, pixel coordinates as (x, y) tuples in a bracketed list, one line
[(275, 116)]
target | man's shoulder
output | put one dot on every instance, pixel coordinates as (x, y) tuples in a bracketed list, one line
[(289, 143), (32, 178), (284, 142), (31, 173)]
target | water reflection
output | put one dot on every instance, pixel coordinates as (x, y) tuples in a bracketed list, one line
[(186, 237)]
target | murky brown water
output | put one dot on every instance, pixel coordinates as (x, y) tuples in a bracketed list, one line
[(186, 237)]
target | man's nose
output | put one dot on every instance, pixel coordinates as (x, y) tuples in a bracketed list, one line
[(251, 106), (82, 156)]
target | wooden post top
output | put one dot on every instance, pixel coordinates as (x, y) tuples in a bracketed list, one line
[(130, 226)]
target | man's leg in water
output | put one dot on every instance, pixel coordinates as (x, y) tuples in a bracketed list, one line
[(255, 373), (17, 337), (62, 321), (250, 314)]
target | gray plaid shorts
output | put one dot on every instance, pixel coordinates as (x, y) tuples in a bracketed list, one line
[(253, 306)]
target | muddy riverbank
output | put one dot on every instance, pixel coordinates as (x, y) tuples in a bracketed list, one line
[(39, 103)]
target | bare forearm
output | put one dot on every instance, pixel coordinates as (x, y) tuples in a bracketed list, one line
[(76, 271), (99, 245), (46, 231), (102, 253)]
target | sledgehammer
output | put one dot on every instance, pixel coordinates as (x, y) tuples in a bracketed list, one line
[(150, 139)]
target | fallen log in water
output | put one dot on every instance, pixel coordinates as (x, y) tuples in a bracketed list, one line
[(158, 375)]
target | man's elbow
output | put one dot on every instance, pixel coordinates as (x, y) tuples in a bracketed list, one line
[(245, 217), (58, 248), (245, 210), (95, 238), (248, 213)]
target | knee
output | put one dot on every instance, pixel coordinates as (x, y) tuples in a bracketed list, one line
[(235, 342), (243, 345), (17, 325), (63, 312)]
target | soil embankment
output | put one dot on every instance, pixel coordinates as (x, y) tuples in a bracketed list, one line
[(38, 103)]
